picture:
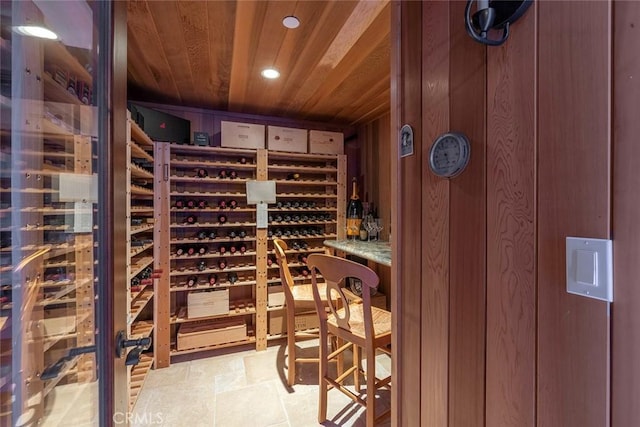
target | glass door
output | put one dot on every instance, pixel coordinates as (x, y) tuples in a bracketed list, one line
[(52, 152)]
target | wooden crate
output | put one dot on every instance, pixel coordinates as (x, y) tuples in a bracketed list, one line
[(287, 139), (275, 296), (241, 135), (322, 142), (207, 303), (211, 332), (304, 320)]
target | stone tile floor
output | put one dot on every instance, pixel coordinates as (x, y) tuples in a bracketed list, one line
[(246, 389)]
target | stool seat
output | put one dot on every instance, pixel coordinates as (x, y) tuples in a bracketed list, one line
[(381, 322)]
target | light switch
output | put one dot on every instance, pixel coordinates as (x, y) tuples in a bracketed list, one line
[(590, 267), (586, 267)]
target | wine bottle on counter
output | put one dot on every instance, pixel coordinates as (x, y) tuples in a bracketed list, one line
[(364, 234), (202, 204), (191, 219), (232, 278), (192, 281), (232, 204), (212, 279), (222, 264), (222, 218), (354, 213), (202, 173), (222, 204), (191, 204)]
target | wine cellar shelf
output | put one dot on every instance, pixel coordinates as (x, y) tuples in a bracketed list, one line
[(141, 268), (220, 264)]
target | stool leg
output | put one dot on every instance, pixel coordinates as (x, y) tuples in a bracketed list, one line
[(371, 386), (323, 372), (357, 362), (291, 348)]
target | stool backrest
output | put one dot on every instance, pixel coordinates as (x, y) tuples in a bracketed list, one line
[(279, 247)]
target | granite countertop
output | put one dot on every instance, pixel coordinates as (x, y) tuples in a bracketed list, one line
[(376, 250)]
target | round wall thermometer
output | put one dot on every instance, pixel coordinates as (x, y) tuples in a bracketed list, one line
[(449, 154)]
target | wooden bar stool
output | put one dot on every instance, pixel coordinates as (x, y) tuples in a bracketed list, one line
[(356, 323), (297, 298)]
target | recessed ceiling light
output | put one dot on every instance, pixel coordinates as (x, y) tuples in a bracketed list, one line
[(291, 22), (35, 31), (270, 73)]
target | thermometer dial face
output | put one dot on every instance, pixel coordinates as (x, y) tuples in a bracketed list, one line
[(449, 154)]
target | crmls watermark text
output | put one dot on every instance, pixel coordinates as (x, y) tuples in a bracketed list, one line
[(145, 418)]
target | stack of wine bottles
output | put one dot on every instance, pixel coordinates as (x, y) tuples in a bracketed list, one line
[(191, 250), (295, 232), (295, 217), (296, 204)]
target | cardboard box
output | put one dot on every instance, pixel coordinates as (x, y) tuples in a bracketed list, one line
[(323, 142), (241, 135), (287, 139), (207, 303), (211, 332), (275, 296), (304, 320)]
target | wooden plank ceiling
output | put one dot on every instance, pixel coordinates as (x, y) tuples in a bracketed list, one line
[(209, 54)]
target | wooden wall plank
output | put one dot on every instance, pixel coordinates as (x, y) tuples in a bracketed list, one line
[(467, 229), (511, 228), (625, 352), (435, 218), (573, 200), (408, 224)]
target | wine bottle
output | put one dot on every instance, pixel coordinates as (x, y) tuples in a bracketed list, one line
[(302, 258), (295, 246), (243, 160), (304, 271), (287, 232), (135, 282), (201, 235), (179, 204), (295, 218), (270, 218), (222, 174), (202, 204), (232, 204), (278, 218), (279, 205), (242, 234), (304, 245), (277, 232), (269, 233), (311, 204), (212, 234), (232, 174), (191, 204), (222, 249), (270, 261), (304, 205), (233, 249), (212, 279), (295, 204), (222, 204), (181, 250), (191, 250), (202, 249), (232, 278), (202, 173), (202, 266), (232, 234), (222, 264), (243, 248), (354, 213), (287, 205), (293, 177), (191, 219), (364, 234), (192, 281), (222, 218)]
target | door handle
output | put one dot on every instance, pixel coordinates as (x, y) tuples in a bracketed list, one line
[(54, 370), (140, 345)]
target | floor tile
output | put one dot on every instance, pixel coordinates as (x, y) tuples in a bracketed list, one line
[(256, 405)]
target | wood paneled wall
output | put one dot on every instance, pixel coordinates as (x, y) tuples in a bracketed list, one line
[(501, 341)]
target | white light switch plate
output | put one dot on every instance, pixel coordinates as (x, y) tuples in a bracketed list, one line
[(590, 267)]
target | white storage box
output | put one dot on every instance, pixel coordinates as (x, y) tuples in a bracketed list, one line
[(287, 139), (208, 332), (241, 135), (322, 142), (207, 303), (275, 296)]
